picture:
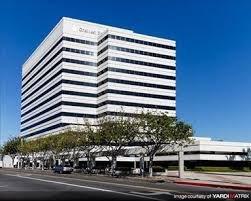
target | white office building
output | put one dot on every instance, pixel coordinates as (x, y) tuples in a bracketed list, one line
[(83, 70)]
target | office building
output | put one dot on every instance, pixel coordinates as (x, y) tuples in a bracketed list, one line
[(84, 71)]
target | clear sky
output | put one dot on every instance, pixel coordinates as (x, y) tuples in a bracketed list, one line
[(213, 53)]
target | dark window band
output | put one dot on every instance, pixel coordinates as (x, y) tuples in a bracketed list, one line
[(143, 84), (75, 40), (102, 61), (123, 49), (142, 105), (135, 94), (74, 61), (142, 63), (103, 50), (142, 42), (103, 39), (78, 51), (136, 73)]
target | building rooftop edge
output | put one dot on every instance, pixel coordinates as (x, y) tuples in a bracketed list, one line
[(90, 23)]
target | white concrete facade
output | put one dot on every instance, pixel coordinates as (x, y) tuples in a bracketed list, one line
[(202, 149), (84, 70)]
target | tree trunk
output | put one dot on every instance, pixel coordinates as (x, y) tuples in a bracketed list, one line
[(114, 164), (151, 165), (54, 159), (42, 164), (76, 162)]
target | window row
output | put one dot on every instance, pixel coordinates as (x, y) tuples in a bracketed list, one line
[(143, 84), (132, 40), (78, 51), (143, 63), (132, 72), (130, 93), (123, 49), (75, 40)]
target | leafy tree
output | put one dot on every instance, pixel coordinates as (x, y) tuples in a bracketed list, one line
[(54, 146), (159, 130), (116, 133), (90, 143), (43, 148), (1, 150), (11, 147)]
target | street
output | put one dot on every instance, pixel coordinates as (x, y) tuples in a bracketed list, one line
[(16, 185)]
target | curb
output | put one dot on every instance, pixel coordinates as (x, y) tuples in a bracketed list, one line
[(231, 186)]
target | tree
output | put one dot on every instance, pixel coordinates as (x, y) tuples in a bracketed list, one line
[(1, 150), (32, 149), (89, 142), (54, 146), (159, 130), (44, 149), (11, 147), (116, 133)]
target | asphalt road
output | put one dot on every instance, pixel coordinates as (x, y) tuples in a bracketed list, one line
[(28, 186)]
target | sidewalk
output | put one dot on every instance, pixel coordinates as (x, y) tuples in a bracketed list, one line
[(240, 181)]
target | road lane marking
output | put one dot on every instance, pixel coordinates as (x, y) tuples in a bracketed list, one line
[(58, 182), (110, 183), (151, 193), (87, 187)]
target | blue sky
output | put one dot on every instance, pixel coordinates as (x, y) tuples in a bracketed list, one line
[(213, 53)]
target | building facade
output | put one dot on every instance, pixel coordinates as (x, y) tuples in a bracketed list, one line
[(204, 151), (84, 70)]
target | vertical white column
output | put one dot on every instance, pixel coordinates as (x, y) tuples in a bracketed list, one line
[(181, 163)]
